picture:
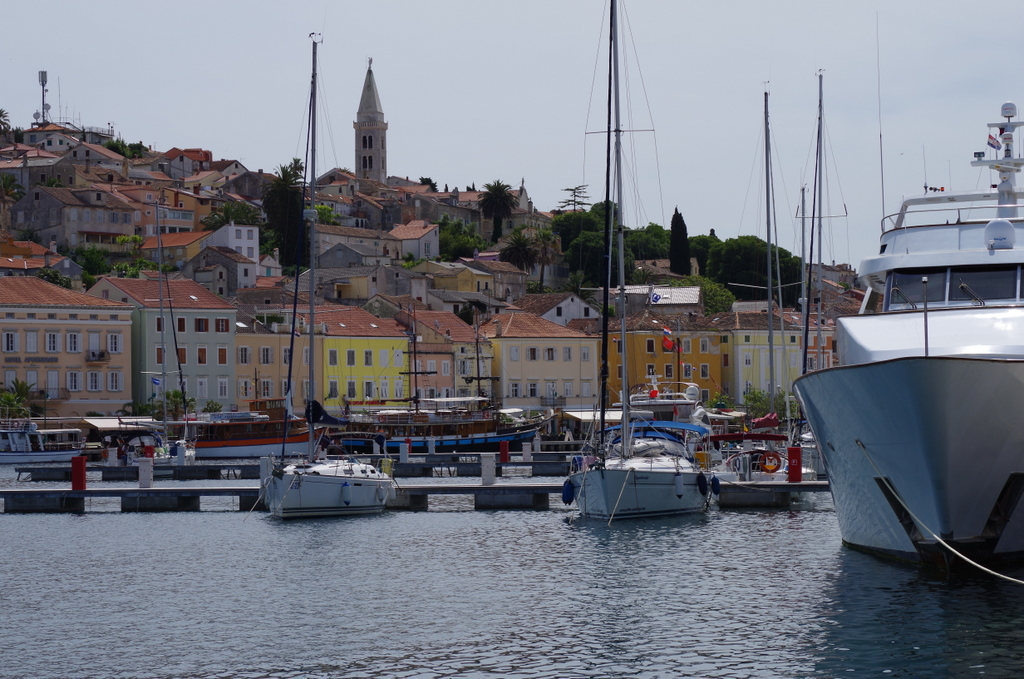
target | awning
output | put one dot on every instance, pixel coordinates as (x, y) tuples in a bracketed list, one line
[(609, 415), (667, 425), (123, 423)]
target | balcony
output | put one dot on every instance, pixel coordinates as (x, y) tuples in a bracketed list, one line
[(97, 356), (49, 395), (552, 401)]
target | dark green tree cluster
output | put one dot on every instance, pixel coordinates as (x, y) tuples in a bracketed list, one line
[(283, 205), (456, 239), (742, 264)]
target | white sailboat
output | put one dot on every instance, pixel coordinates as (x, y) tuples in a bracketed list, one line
[(918, 423), (644, 470), (328, 487)]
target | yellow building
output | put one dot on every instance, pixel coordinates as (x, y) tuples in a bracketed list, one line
[(71, 349), (264, 344), (452, 276)]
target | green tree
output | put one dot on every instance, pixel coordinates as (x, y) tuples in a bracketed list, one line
[(518, 251), (5, 122), (717, 298), (326, 215), (93, 261), (586, 254), (52, 182), (212, 407), (176, 406), (282, 202), (497, 203), (11, 406), (55, 277), (571, 224), (577, 199), (650, 242), (10, 190), (236, 211), (546, 249), (743, 260), (117, 146), (455, 239), (758, 404), (679, 247), (577, 285), (427, 181), (700, 248), (136, 409)]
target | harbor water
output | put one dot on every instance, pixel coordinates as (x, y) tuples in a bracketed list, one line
[(453, 592)]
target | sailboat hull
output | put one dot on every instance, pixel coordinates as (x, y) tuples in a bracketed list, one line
[(333, 488), (636, 489)]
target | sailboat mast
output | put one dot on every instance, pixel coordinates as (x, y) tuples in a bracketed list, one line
[(310, 217), (768, 212), (821, 124), (804, 290), (607, 283), (620, 212)]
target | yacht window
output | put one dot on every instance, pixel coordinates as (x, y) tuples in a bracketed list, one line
[(976, 285), (904, 289)]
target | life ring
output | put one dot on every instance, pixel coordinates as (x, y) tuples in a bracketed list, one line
[(771, 462)]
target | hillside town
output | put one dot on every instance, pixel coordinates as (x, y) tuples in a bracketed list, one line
[(485, 289)]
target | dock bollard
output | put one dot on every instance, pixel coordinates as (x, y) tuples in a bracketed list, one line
[(78, 472), (503, 451), (403, 451), (527, 451), (432, 445), (487, 468), (145, 472)]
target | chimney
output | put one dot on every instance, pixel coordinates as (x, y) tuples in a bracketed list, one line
[(277, 254), (195, 189), (53, 245)]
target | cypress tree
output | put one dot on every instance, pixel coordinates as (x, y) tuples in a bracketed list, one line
[(679, 246)]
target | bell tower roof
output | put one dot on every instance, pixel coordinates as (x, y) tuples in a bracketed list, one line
[(370, 109)]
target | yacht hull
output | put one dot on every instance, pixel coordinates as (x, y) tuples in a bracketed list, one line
[(919, 444), (33, 456), (312, 493), (635, 489)]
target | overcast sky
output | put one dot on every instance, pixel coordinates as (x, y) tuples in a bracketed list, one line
[(476, 91)]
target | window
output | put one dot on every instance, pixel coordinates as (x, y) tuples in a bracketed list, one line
[(202, 325), (31, 341), (746, 338), (201, 355), (687, 371), (368, 358), (74, 380), (220, 325), (705, 395), (687, 346), (532, 354), (748, 359), (558, 311), (350, 358), (399, 362), (567, 389), (724, 339), (513, 390), (368, 390), (222, 387), (669, 371), (584, 353), (10, 341), (586, 312), (549, 389), (243, 355), (115, 381), (266, 355), (114, 344), (181, 324), (384, 390), (286, 356), (74, 342), (202, 390), (513, 353), (159, 322), (332, 388), (446, 368), (705, 345), (549, 353), (182, 355), (332, 357), (305, 355), (532, 389), (650, 346), (650, 369), (725, 360), (160, 355), (585, 389), (266, 388), (385, 354), (566, 353), (705, 371), (222, 355), (351, 388), (432, 366)]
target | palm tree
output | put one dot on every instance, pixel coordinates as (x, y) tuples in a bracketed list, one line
[(5, 122), (497, 203), (518, 251), (577, 285), (282, 202), (546, 246), (10, 192)]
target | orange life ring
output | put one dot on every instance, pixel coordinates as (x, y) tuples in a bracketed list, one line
[(771, 462)]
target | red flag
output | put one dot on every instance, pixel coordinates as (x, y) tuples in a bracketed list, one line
[(666, 340)]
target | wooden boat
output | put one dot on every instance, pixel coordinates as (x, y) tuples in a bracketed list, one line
[(256, 433)]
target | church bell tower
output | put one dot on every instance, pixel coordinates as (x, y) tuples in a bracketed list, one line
[(371, 133)]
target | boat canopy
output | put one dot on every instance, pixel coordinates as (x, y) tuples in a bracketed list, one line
[(748, 436), (666, 424), (454, 399), (609, 415), (122, 423)]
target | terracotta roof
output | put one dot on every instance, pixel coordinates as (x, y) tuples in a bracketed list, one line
[(181, 293), (540, 304), (36, 249), (230, 254), (175, 240), (588, 326), (447, 323), (32, 291), (75, 197), (415, 229), (354, 322), (266, 282), (96, 149), (28, 263), (354, 232), (491, 266), (403, 302), (753, 320), (525, 325)]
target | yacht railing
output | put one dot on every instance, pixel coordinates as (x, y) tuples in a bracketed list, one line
[(897, 220)]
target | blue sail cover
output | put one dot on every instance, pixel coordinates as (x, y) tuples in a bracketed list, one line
[(664, 424)]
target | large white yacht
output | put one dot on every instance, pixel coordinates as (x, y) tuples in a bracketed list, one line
[(918, 424)]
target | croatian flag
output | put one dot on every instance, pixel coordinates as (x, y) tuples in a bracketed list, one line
[(993, 142), (666, 340)]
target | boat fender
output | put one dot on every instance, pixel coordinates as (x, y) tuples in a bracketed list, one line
[(771, 462), (702, 484), (568, 492), (716, 485), (346, 493), (381, 493), (678, 485)]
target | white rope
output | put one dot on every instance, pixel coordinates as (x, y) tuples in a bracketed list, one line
[(921, 524), (619, 499)]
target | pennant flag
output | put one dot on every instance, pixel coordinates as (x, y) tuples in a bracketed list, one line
[(666, 340), (655, 297), (156, 381), (993, 142)]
